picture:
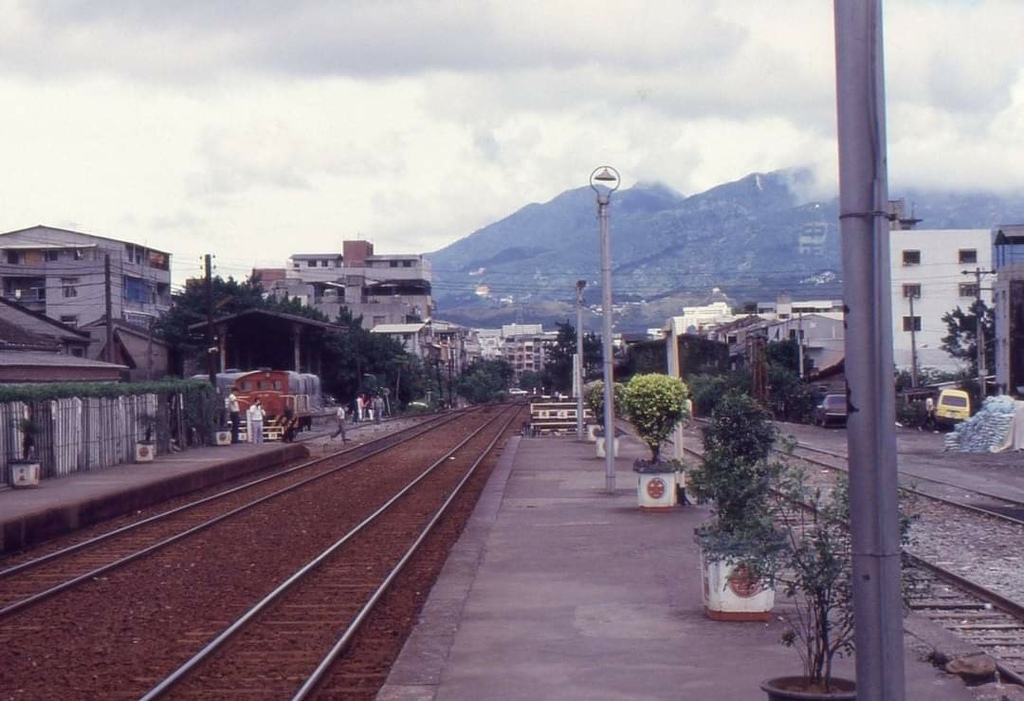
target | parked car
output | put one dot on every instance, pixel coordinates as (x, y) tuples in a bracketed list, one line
[(518, 392), (831, 411), (954, 406)]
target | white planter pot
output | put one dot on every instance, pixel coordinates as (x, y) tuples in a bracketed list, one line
[(729, 595), (592, 430), (222, 437), (145, 452), (601, 449), (656, 491), (24, 474)]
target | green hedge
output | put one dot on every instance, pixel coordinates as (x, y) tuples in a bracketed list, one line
[(63, 390)]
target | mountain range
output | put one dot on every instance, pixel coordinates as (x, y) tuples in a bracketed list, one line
[(747, 240)]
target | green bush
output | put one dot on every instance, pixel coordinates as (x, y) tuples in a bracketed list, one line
[(655, 404)]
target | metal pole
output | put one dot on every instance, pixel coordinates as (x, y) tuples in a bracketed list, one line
[(871, 435), (578, 370), (913, 344), (608, 178), (672, 354), (606, 345)]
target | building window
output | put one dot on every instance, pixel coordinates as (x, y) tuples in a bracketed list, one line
[(51, 256), (310, 263), (394, 264), (911, 323), (12, 257), (912, 290), (323, 264), (406, 263), (69, 286), (377, 320), (78, 352), (911, 257), (69, 319), (968, 289), (968, 255)]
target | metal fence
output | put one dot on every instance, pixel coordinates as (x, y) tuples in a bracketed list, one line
[(82, 434)]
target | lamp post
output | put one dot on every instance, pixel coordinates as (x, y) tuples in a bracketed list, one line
[(579, 376), (604, 181)]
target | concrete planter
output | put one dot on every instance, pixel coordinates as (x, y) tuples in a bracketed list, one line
[(145, 452), (731, 595), (656, 491), (24, 474), (222, 437)]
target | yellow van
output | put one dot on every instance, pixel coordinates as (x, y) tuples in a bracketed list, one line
[(954, 406)]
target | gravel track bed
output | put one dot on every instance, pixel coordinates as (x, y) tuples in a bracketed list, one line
[(98, 642)]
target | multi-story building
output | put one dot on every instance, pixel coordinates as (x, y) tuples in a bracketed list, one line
[(1008, 299), (933, 271), (382, 289), (69, 276)]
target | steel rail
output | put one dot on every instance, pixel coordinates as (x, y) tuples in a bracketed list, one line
[(154, 547), (177, 676)]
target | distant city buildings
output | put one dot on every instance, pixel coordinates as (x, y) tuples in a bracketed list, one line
[(381, 289)]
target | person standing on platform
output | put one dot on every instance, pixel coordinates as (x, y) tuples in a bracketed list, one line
[(255, 416), (235, 414), (378, 407), (340, 415)]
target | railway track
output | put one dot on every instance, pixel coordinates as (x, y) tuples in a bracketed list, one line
[(33, 580), (964, 573), (146, 618)]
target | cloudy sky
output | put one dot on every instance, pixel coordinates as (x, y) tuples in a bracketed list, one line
[(253, 129)]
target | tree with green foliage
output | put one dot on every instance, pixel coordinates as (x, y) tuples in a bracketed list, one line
[(961, 340), (654, 404), (484, 381), (558, 363), (347, 356), (531, 380)]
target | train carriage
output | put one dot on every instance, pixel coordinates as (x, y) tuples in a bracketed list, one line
[(289, 398)]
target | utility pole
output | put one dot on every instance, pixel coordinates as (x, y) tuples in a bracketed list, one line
[(913, 343), (109, 302), (800, 342), (867, 289), (578, 375), (979, 332), (209, 320)]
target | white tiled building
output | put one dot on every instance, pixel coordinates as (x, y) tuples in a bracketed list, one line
[(934, 271)]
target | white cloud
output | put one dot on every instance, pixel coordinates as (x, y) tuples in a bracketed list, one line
[(254, 130)]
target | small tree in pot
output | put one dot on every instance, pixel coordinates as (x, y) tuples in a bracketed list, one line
[(593, 397), (655, 404), (817, 576), (740, 544), (30, 428)]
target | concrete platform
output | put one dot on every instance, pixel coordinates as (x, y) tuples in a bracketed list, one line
[(556, 590), (60, 505), (559, 590)]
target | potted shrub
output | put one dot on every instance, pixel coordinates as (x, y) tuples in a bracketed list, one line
[(593, 397), (145, 449), (741, 547), (25, 470), (816, 574), (655, 404)]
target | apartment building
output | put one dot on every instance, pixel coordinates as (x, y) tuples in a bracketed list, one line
[(382, 289), (934, 271), (64, 274)]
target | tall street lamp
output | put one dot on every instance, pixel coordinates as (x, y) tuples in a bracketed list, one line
[(604, 181), (578, 377)]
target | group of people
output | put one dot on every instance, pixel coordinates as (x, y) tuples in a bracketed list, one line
[(364, 408), (254, 417)]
